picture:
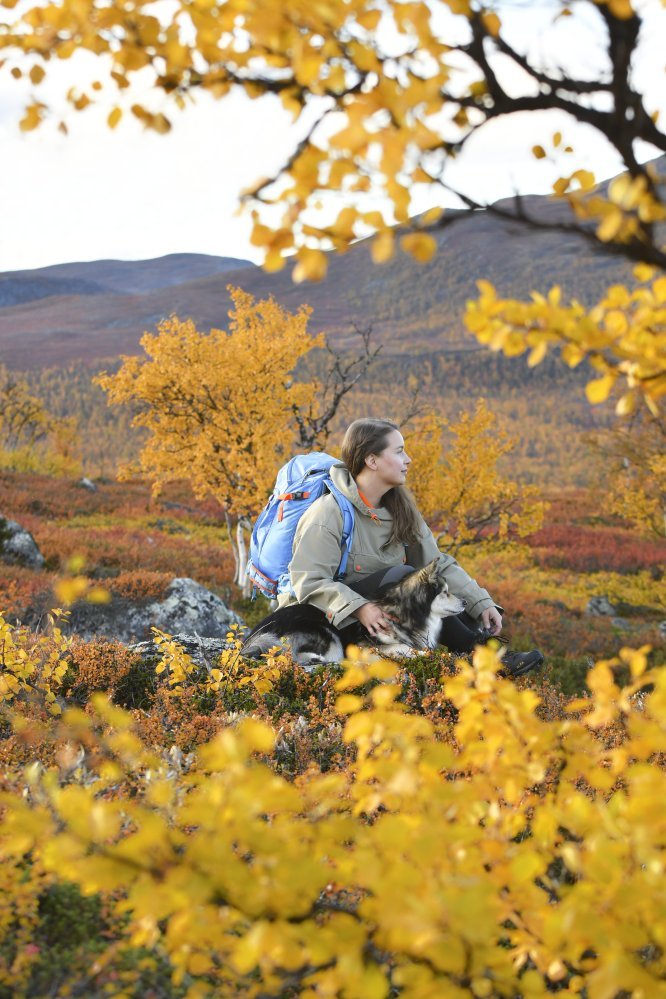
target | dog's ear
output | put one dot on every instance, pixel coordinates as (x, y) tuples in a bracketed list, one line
[(430, 572)]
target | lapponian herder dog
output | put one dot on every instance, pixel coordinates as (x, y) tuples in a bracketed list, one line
[(414, 607)]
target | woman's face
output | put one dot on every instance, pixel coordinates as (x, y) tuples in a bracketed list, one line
[(391, 464)]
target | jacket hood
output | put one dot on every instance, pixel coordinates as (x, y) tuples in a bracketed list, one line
[(342, 480)]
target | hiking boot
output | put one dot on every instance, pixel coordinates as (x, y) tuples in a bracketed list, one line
[(513, 663), (520, 663)]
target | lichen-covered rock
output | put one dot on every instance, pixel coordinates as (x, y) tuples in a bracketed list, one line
[(202, 651), (601, 607), (18, 547), (188, 608), (191, 608)]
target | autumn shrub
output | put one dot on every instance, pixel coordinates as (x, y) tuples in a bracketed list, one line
[(34, 666), (141, 584), (511, 850), (104, 665), (23, 591), (592, 549), (107, 551)]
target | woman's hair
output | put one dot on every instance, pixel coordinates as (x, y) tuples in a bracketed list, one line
[(369, 436)]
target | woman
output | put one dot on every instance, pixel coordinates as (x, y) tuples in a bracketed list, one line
[(390, 539)]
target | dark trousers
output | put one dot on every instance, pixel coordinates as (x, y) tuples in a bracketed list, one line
[(459, 633)]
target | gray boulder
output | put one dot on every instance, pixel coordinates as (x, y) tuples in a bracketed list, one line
[(191, 608), (600, 607), (188, 608), (86, 483), (18, 547)]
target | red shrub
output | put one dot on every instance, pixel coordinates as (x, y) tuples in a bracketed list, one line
[(596, 549)]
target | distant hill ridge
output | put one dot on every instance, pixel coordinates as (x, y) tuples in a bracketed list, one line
[(123, 276), (97, 310)]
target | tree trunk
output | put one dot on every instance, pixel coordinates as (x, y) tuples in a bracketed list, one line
[(242, 578), (236, 531)]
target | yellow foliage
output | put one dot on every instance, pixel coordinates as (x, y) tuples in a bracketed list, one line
[(506, 857), (459, 488), (623, 337), (31, 439), (33, 665), (219, 407)]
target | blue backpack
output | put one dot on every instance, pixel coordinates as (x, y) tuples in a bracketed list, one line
[(299, 483)]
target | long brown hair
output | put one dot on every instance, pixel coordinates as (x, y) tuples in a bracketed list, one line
[(369, 436)]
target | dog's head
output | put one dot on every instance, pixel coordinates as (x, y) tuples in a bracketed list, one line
[(431, 578)]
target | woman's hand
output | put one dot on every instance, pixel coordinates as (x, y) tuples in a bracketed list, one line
[(372, 618), (492, 620)]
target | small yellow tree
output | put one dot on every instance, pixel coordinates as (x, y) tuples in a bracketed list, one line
[(31, 438), (219, 407), (635, 452), (459, 488)]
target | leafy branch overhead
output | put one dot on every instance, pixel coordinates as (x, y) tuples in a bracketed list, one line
[(392, 93)]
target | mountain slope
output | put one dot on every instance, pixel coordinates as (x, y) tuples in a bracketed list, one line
[(413, 308)]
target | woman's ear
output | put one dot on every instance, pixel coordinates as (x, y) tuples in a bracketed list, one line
[(371, 461)]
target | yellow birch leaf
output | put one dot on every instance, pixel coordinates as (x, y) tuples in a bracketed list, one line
[(199, 964), (312, 265), (308, 68), (273, 261), (37, 74), (369, 19), (585, 178), (98, 595), (382, 247), (537, 354), (491, 23), (114, 117), (348, 704), (616, 322), (257, 736), (432, 215), (643, 272), (420, 245), (610, 225), (626, 405), (160, 124), (32, 118), (538, 152), (659, 290), (384, 696), (599, 389)]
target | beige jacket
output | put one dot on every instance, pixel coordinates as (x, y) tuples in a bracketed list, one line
[(317, 553)]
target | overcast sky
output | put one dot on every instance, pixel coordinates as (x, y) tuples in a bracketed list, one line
[(131, 194)]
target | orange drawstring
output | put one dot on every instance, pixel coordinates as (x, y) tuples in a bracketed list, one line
[(373, 515)]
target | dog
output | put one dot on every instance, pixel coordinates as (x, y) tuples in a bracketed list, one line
[(414, 608)]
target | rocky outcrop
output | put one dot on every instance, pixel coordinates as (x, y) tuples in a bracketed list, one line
[(17, 546), (188, 609)]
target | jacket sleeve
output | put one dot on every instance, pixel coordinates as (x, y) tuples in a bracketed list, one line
[(460, 583), (315, 561)]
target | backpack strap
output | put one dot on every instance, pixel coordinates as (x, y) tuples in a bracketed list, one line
[(347, 511)]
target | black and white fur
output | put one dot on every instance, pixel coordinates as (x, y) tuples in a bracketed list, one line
[(414, 607)]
